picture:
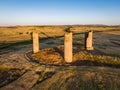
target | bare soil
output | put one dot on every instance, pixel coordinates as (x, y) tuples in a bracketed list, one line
[(80, 75)]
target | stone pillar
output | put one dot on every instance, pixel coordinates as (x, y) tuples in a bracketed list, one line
[(35, 42), (68, 47), (88, 40)]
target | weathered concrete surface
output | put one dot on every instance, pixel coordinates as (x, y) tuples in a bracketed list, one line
[(16, 58), (68, 54), (88, 40), (23, 83), (35, 42), (29, 79)]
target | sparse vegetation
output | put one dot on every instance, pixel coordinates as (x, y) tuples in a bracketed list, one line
[(4, 68), (44, 76), (68, 30), (53, 57), (88, 71), (82, 78), (98, 59), (50, 43), (8, 74), (81, 58), (20, 33)]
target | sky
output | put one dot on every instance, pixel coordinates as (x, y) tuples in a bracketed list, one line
[(59, 12)]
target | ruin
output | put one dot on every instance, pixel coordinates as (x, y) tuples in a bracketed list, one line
[(68, 52), (68, 47), (88, 40), (35, 42)]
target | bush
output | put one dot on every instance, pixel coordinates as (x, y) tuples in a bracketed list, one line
[(68, 30), (20, 33)]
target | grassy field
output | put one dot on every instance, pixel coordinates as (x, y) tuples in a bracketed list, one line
[(80, 78), (47, 31), (91, 70)]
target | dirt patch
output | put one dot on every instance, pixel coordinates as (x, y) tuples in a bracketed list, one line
[(82, 78), (7, 75), (69, 77)]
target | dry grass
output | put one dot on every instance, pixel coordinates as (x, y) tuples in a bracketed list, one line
[(74, 77), (55, 56), (45, 31), (48, 56), (81, 78), (97, 59), (4, 68), (9, 74)]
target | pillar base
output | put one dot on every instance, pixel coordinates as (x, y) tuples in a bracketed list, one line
[(89, 48)]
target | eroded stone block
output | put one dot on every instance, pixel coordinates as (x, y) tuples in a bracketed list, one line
[(88, 40), (35, 42), (68, 54)]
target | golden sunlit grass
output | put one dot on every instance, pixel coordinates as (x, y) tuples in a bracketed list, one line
[(4, 68), (83, 73), (54, 56), (48, 56), (50, 30), (102, 59)]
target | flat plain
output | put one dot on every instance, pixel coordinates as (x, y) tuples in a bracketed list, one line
[(91, 70)]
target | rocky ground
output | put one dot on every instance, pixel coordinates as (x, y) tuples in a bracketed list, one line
[(47, 77)]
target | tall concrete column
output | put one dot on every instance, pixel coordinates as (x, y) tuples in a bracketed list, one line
[(88, 40), (35, 42), (68, 54)]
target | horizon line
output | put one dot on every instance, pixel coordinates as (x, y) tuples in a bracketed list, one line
[(63, 25)]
